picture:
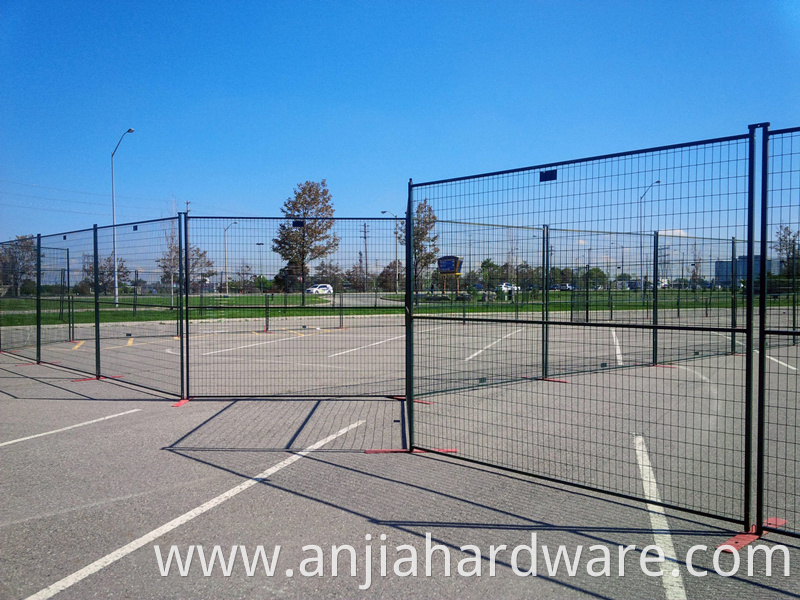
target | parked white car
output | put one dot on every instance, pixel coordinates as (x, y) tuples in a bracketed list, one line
[(507, 287), (320, 288)]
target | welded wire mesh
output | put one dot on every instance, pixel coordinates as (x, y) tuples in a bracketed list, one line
[(780, 360), (140, 316), (68, 336), (629, 333), (18, 296), (294, 424), (267, 319)]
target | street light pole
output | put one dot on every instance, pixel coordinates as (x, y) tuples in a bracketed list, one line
[(225, 238), (641, 238), (396, 244), (114, 219)]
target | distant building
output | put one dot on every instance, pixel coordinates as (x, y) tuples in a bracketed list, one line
[(723, 269)]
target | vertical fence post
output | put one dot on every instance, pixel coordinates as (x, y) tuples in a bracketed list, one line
[(734, 286), (39, 298), (409, 313), (749, 308), (183, 282), (96, 265), (794, 291), (185, 366), (545, 295), (266, 313), (135, 289), (655, 297), (61, 295), (70, 319), (762, 326)]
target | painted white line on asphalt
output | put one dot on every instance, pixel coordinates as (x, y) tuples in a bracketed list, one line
[(673, 582), (485, 348), (30, 437), (296, 337), (111, 558), (700, 375), (780, 362), (616, 346), (367, 346), (380, 342)]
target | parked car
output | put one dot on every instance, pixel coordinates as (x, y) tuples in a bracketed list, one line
[(507, 287), (320, 288)]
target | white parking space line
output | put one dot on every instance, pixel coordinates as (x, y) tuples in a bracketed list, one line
[(294, 337), (617, 346), (30, 437), (111, 558), (380, 342), (773, 359), (673, 582), (485, 348), (367, 346)]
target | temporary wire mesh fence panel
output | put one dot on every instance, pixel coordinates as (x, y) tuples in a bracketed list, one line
[(780, 360), (140, 316), (18, 297), (301, 307), (600, 365), (287, 424), (68, 336), (54, 313)]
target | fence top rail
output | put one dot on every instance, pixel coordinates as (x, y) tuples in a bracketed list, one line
[(720, 140), (298, 217), (100, 227), (664, 233), (490, 225), (145, 222), (784, 131)]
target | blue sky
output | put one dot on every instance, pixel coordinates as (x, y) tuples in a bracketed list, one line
[(235, 103)]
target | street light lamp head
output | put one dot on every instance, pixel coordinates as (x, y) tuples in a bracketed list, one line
[(658, 181), (130, 130)]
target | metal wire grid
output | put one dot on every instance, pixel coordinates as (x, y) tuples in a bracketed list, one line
[(694, 199), (130, 334), (18, 302), (69, 340), (292, 424), (140, 323), (780, 419), (255, 330)]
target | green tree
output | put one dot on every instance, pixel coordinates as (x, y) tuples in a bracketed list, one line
[(105, 277), (243, 280), (491, 273), (785, 246), (201, 268), (331, 273), (356, 276), (306, 234), (597, 277), (424, 248), (289, 278), (559, 275), (392, 278), (18, 262)]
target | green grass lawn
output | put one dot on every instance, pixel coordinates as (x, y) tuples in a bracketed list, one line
[(22, 311)]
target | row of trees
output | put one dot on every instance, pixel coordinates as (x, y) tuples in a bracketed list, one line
[(306, 235)]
